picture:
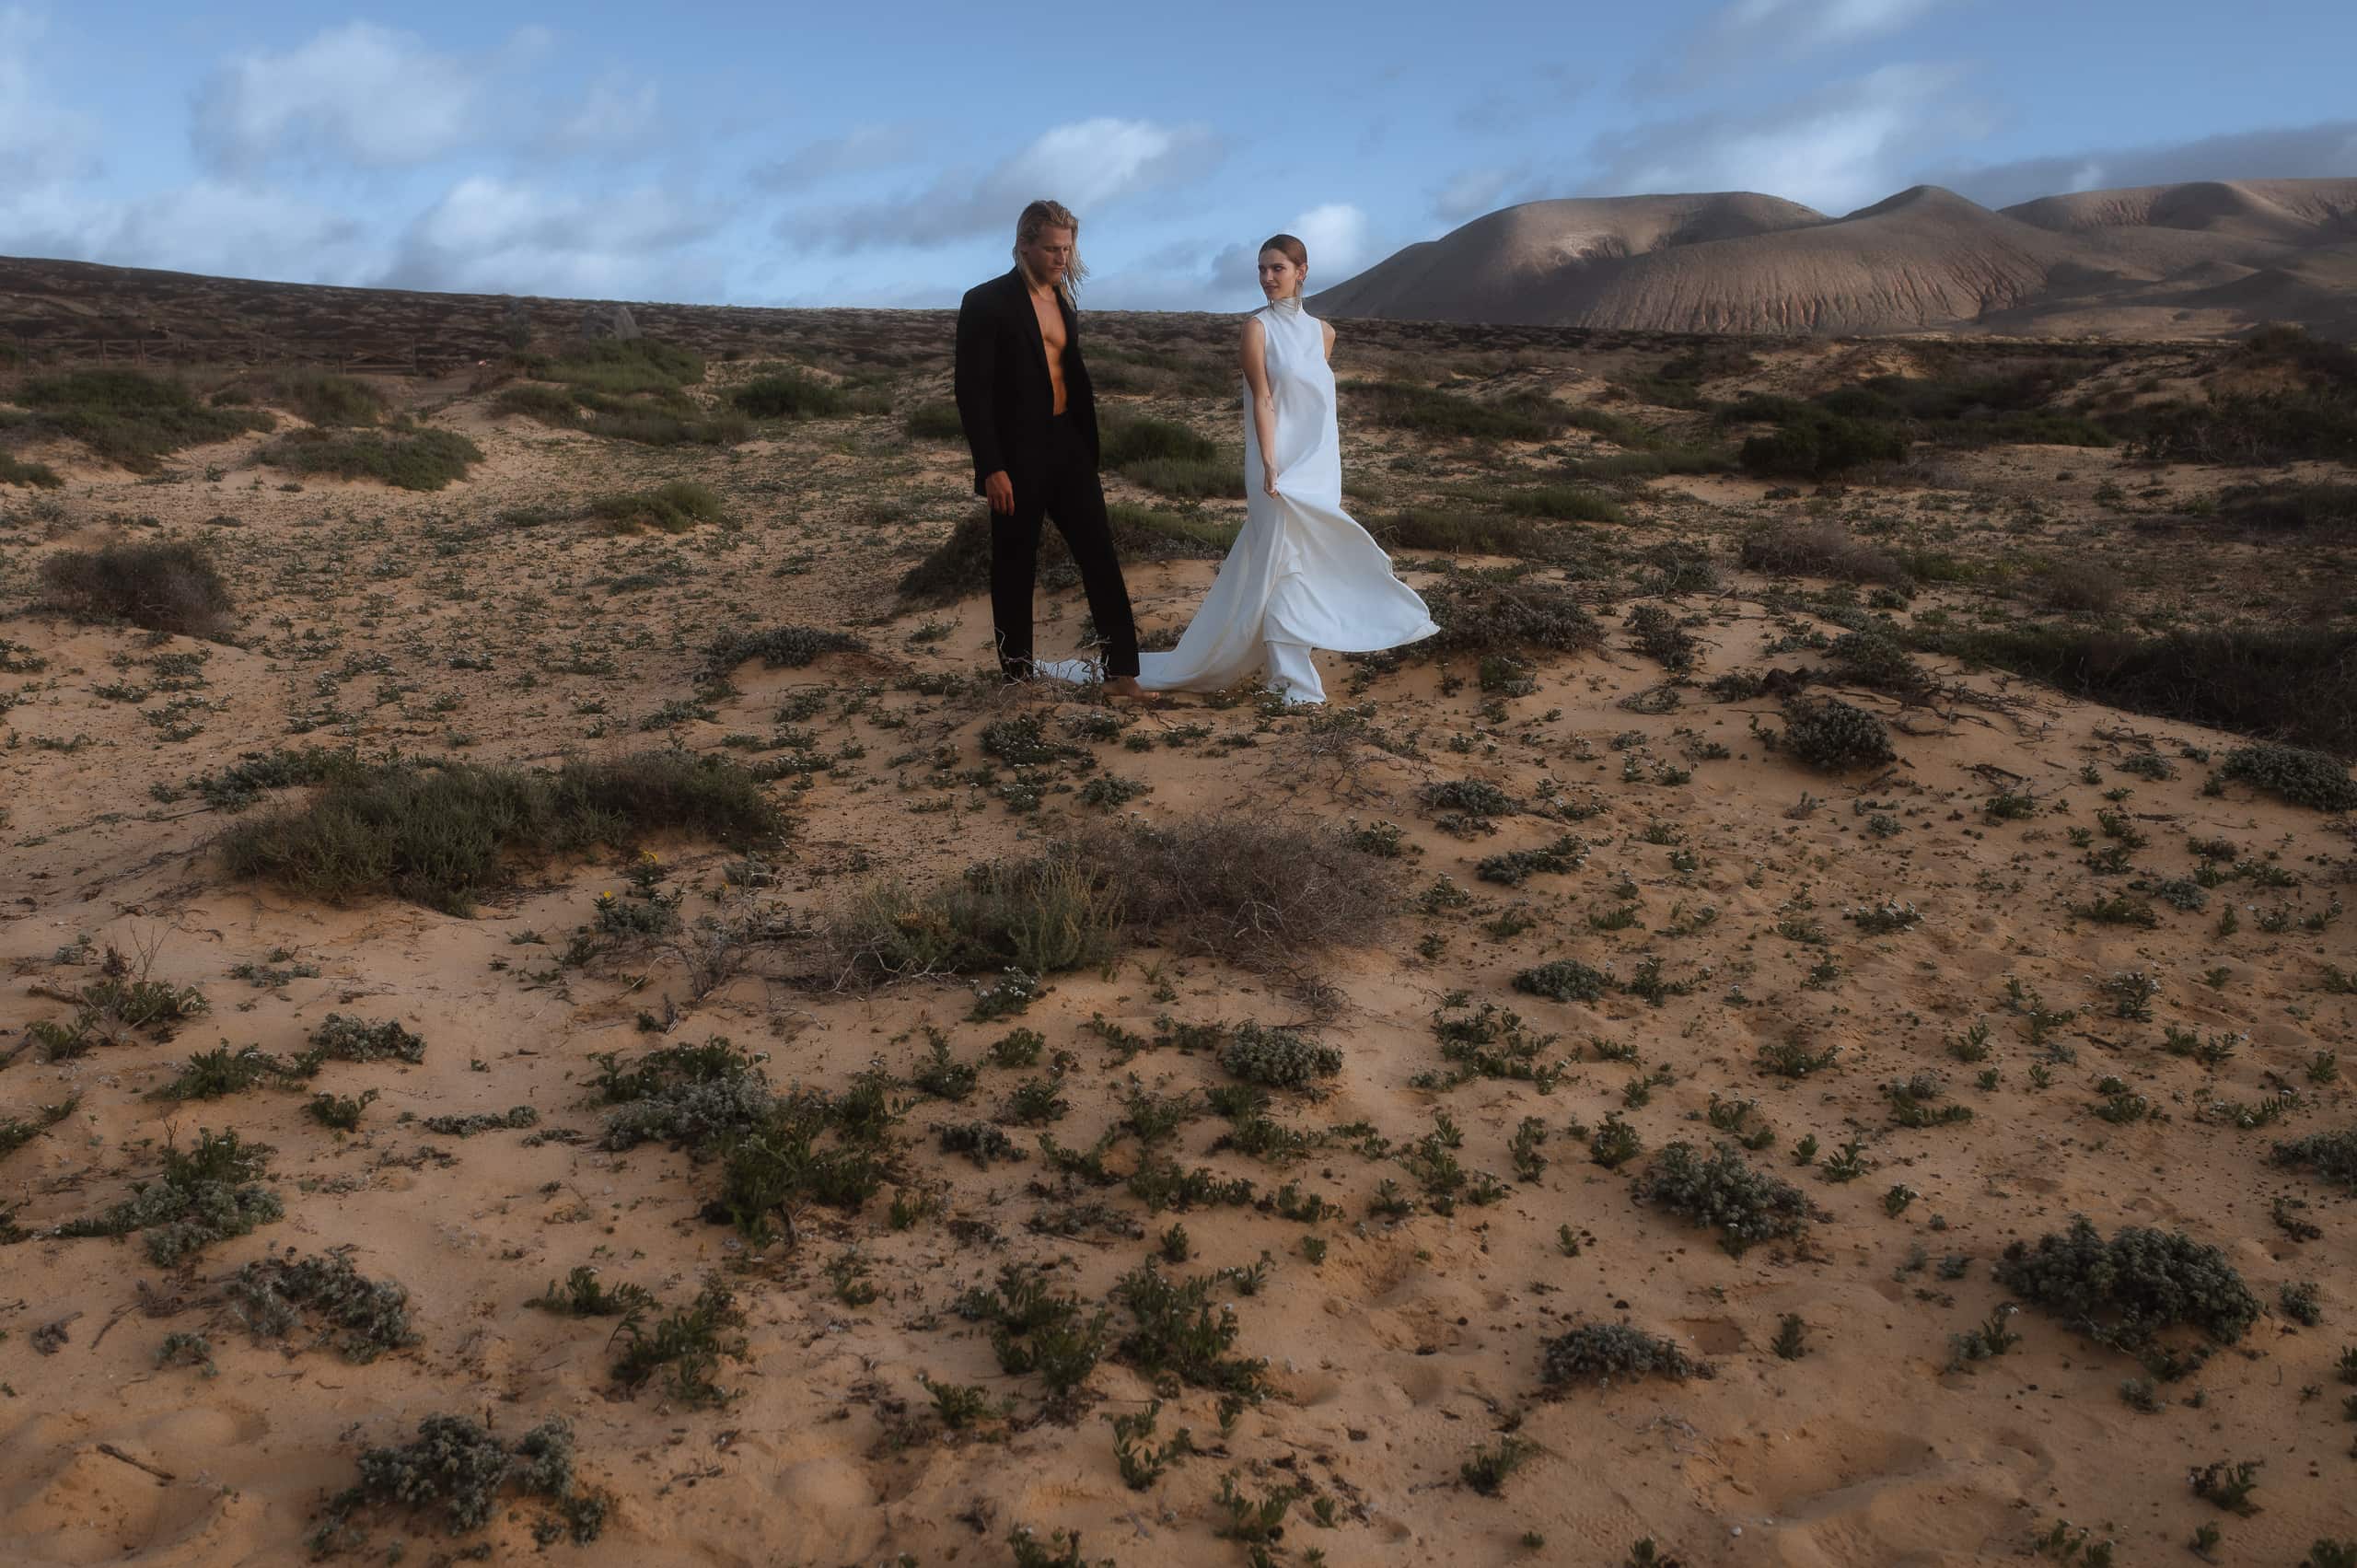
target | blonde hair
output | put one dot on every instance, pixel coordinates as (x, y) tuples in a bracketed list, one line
[(1044, 213)]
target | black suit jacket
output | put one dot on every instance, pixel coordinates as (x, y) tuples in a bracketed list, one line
[(1005, 400)]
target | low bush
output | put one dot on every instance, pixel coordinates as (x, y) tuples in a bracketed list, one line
[(322, 397), (33, 476), (1811, 443), (618, 366), (1189, 479), (1481, 615), (1468, 533), (778, 647), (1278, 1058), (653, 427), (789, 395), (440, 834), (2082, 587), (1827, 733), (933, 422), (2325, 507), (1255, 893), (2297, 685), (207, 1194), (2332, 1155), (1125, 440), (2248, 430), (692, 1097), (1565, 980), (2123, 1291), (364, 1318), (2302, 777), (406, 460), (676, 507), (1820, 550), (1427, 411), (1567, 502), (1724, 1193), (458, 1472), (1599, 1353), (128, 418), (170, 586)]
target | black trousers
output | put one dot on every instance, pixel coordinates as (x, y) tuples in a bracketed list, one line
[(1068, 493)]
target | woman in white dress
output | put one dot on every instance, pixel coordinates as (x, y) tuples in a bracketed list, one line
[(1301, 575)]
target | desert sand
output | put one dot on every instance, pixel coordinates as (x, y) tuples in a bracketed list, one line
[(440, 625)]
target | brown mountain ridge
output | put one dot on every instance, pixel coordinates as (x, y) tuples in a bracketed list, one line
[(2195, 260)]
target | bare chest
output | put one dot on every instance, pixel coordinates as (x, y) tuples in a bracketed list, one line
[(1052, 327)]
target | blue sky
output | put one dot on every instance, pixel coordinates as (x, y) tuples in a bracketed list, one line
[(875, 153)]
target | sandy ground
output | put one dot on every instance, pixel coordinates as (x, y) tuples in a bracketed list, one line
[(386, 620)]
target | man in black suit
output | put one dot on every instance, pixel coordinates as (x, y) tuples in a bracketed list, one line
[(1030, 419)]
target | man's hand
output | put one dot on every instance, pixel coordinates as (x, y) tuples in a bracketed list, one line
[(1001, 491)]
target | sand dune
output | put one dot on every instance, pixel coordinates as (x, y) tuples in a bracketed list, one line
[(1925, 258)]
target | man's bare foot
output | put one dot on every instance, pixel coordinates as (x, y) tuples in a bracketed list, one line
[(1124, 686)]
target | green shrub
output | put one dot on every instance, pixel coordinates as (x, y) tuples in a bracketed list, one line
[(651, 426), (207, 1194), (1567, 502), (34, 476), (2123, 1291), (1472, 533), (2250, 430), (549, 405), (407, 460), (1125, 440), (676, 507), (1565, 980), (1192, 479), (687, 1346), (2326, 507), (440, 834), (1478, 615), (1725, 1194), (457, 1471), (2332, 1155), (933, 422), (778, 647), (170, 586), (1426, 410), (1827, 733), (693, 1097), (1814, 443), (324, 397), (1602, 1353), (2297, 684), (17, 1132), (365, 1318), (789, 395), (2304, 778), (1820, 550), (128, 418), (1278, 1058), (338, 1038), (620, 366)]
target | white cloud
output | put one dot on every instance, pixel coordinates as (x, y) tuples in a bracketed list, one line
[(1339, 240), (1838, 148), (612, 115), (359, 91), (496, 236), (1086, 165), (1470, 193), (205, 227), (860, 151), (2321, 151), (1742, 34), (41, 143)]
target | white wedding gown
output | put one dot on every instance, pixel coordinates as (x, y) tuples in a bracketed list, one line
[(1301, 575)]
